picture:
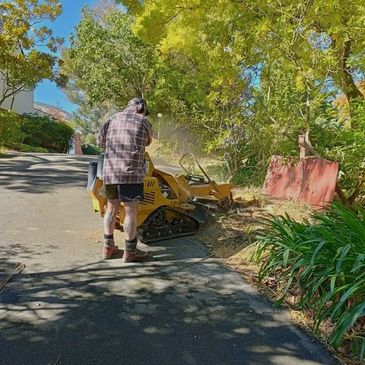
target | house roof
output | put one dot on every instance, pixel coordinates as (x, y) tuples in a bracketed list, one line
[(53, 111)]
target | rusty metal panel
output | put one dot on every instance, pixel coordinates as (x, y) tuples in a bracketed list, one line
[(311, 180)]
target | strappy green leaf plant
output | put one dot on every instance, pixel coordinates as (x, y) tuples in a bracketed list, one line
[(323, 264)]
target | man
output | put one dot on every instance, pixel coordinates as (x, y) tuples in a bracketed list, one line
[(124, 138)]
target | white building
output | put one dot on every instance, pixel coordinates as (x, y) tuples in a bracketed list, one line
[(21, 103)]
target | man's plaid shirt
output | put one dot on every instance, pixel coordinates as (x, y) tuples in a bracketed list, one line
[(124, 138)]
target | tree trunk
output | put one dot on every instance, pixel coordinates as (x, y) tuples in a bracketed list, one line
[(349, 85), (345, 78), (341, 195)]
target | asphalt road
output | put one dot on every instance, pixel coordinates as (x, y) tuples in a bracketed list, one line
[(70, 307)]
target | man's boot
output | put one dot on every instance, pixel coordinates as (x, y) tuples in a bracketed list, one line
[(131, 252), (109, 249)]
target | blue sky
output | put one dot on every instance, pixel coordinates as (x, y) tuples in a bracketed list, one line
[(47, 92)]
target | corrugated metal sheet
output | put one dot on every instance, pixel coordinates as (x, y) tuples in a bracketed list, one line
[(311, 180)]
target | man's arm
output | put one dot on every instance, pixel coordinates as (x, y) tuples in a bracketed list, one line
[(102, 134)]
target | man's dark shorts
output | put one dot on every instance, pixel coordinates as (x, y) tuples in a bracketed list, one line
[(124, 192)]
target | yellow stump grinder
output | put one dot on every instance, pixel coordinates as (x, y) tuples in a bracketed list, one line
[(173, 205)]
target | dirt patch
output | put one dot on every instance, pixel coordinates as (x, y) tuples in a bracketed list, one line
[(233, 236), (230, 234)]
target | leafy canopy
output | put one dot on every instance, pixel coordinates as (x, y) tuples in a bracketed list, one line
[(256, 74), (106, 61), (246, 77), (22, 63)]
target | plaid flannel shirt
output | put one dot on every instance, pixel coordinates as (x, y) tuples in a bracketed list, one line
[(124, 138)]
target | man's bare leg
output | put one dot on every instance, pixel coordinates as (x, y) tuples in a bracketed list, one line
[(110, 216), (130, 220), (109, 224)]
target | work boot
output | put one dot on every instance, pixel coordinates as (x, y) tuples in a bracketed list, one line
[(109, 252), (134, 256), (131, 253), (109, 249)]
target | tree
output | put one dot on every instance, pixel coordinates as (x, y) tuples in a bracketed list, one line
[(329, 28), (103, 8), (22, 63), (289, 60), (202, 81), (106, 63), (246, 77), (105, 66)]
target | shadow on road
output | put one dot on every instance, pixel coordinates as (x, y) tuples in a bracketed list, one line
[(43, 173), (173, 309), (160, 312)]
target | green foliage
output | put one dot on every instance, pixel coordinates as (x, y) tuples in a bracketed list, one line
[(23, 65), (176, 136), (33, 133), (245, 77), (338, 140), (10, 132), (248, 175), (88, 149), (89, 119), (105, 66), (107, 62), (260, 97), (47, 133), (322, 263), (27, 148), (90, 139)]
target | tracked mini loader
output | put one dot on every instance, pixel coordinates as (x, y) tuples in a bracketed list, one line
[(173, 205)]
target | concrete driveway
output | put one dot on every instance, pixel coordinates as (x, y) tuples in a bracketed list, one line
[(69, 307)]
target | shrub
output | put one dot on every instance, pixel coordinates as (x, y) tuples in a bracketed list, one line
[(343, 141), (10, 132), (88, 149), (323, 265), (47, 133), (26, 148)]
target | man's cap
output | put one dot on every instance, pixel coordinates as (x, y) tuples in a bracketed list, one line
[(137, 102)]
